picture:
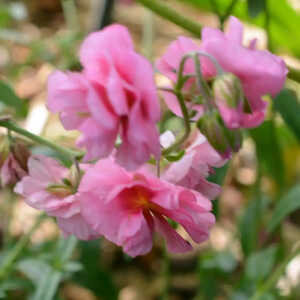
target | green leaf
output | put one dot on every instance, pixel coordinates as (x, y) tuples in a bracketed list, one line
[(249, 224), (34, 269), (219, 174), (268, 151), (52, 276), (260, 264), (222, 261), (286, 205), (93, 276), (255, 7), (287, 104), (9, 98), (48, 286), (64, 249)]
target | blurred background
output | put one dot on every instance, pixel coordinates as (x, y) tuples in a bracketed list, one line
[(258, 216)]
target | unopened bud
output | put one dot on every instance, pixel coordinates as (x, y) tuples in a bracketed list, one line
[(21, 153), (13, 161), (4, 149), (227, 88), (222, 139)]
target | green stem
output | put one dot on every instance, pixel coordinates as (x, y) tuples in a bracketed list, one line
[(271, 282), (187, 125), (227, 13), (170, 14), (202, 85), (267, 27), (193, 27), (19, 247), (166, 275), (148, 34), (70, 14), (70, 154), (294, 74)]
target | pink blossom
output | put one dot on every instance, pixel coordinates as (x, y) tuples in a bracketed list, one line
[(127, 207), (11, 171), (115, 94), (260, 72), (193, 168), (45, 190)]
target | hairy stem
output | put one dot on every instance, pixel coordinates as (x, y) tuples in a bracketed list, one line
[(69, 154)]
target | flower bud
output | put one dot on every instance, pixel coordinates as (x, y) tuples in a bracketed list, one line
[(227, 88), (229, 97), (222, 139), (4, 149), (13, 161)]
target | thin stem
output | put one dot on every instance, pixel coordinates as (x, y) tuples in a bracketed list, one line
[(267, 26), (195, 28), (187, 125), (170, 14), (202, 85), (294, 74), (218, 67), (148, 34), (19, 247), (166, 275), (271, 282), (70, 154), (70, 14)]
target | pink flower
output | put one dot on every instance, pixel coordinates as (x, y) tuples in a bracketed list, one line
[(127, 207), (192, 169), (260, 72), (114, 95), (44, 189), (11, 171)]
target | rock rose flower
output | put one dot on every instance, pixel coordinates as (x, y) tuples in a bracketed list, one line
[(114, 95), (45, 189), (128, 207), (260, 72), (193, 168)]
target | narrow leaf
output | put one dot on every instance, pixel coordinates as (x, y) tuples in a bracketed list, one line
[(287, 104), (260, 264), (269, 153), (9, 98), (48, 286), (286, 205), (255, 7)]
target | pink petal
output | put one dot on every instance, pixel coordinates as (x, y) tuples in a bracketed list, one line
[(175, 243)]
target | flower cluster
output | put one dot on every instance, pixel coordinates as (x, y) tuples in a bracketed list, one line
[(117, 192)]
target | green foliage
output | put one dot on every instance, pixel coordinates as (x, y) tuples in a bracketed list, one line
[(255, 7), (287, 104), (260, 263), (286, 205), (10, 99), (93, 276), (250, 223), (268, 151), (284, 20)]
